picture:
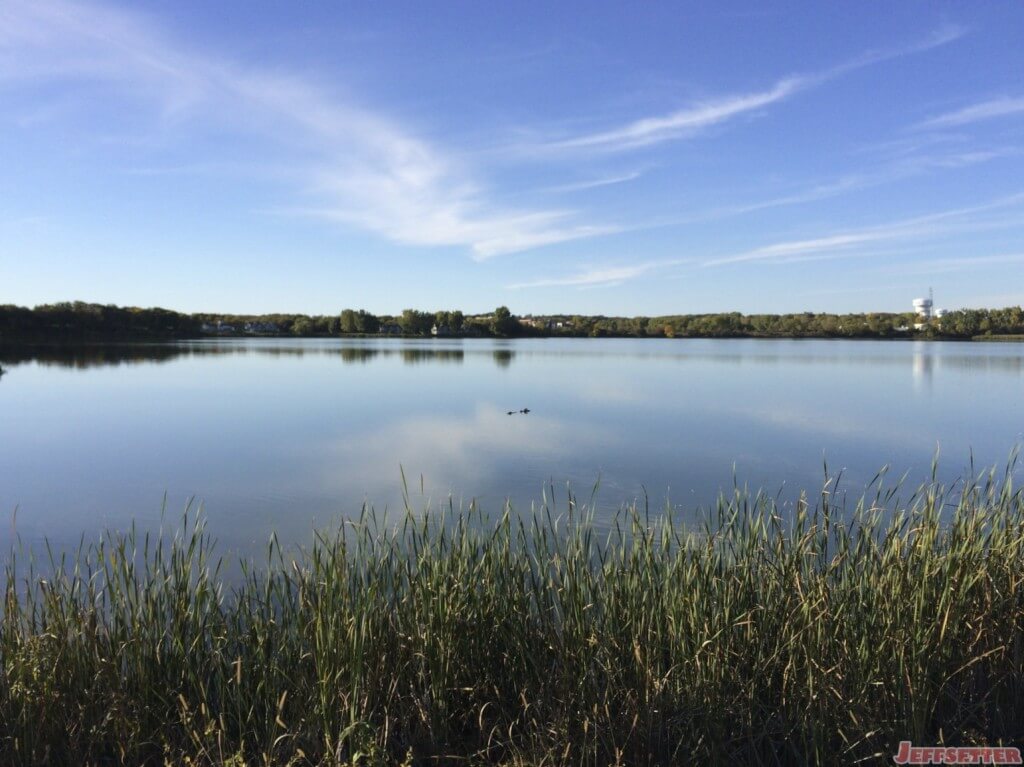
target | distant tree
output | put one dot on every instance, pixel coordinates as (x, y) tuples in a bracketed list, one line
[(348, 321), (302, 326), (359, 322), (503, 323), (366, 322), (416, 323), (638, 326)]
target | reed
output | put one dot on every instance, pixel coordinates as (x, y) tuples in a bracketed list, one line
[(814, 633)]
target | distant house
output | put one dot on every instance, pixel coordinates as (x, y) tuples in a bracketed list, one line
[(217, 328), (441, 331), (540, 323), (390, 329), (261, 328)]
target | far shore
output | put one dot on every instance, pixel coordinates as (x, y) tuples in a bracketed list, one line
[(143, 339), (80, 321)]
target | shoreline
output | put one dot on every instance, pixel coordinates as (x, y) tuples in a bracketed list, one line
[(77, 320), (459, 636), (115, 340)]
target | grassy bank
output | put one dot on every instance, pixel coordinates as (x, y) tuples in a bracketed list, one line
[(1000, 337), (457, 639)]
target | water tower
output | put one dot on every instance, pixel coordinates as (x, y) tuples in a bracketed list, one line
[(923, 306)]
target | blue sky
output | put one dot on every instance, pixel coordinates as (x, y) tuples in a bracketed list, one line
[(582, 157)]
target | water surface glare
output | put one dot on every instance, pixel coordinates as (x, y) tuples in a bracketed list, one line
[(285, 435)]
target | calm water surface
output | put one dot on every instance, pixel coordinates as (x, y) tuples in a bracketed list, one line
[(286, 435)]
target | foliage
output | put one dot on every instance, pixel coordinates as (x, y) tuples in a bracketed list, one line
[(451, 320), (814, 635), (77, 320), (503, 323), (416, 323), (359, 322)]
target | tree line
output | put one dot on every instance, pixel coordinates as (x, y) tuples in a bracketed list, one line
[(78, 320), (964, 323)]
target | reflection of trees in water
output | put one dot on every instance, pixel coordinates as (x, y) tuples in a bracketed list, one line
[(919, 361), (351, 355), (503, 357), (275, 351), (929, 361), (418, 355), (83, 356)]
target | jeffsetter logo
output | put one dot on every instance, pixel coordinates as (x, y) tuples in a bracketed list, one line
[(911, 754)]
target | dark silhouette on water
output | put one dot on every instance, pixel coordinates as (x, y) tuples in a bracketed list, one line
[(524, 411)]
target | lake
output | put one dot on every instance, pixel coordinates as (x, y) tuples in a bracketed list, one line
[(287, 435)]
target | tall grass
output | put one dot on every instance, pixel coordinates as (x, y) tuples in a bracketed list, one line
[(819, 635)]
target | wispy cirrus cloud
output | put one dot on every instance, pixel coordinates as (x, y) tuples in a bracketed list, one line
[(347, 162), (892, 172), (693, 119), (683, 122), (942, 265), (605, 276), (364, 168), (985, 110), (851, 241), (903, 168), (594, 183)]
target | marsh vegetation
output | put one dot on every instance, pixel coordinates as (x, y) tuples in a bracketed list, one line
[(823, 633)]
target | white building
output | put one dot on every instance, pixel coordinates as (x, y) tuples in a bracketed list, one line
[(923, 307)]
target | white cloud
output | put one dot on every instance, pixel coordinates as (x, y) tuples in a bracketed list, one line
[(683, 122), (904, 168), (692, 119), (986, 110), (594, 183), (942, 265), (368, 170), (926, 226), (358, 166), (801, 247), (606, 276)]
